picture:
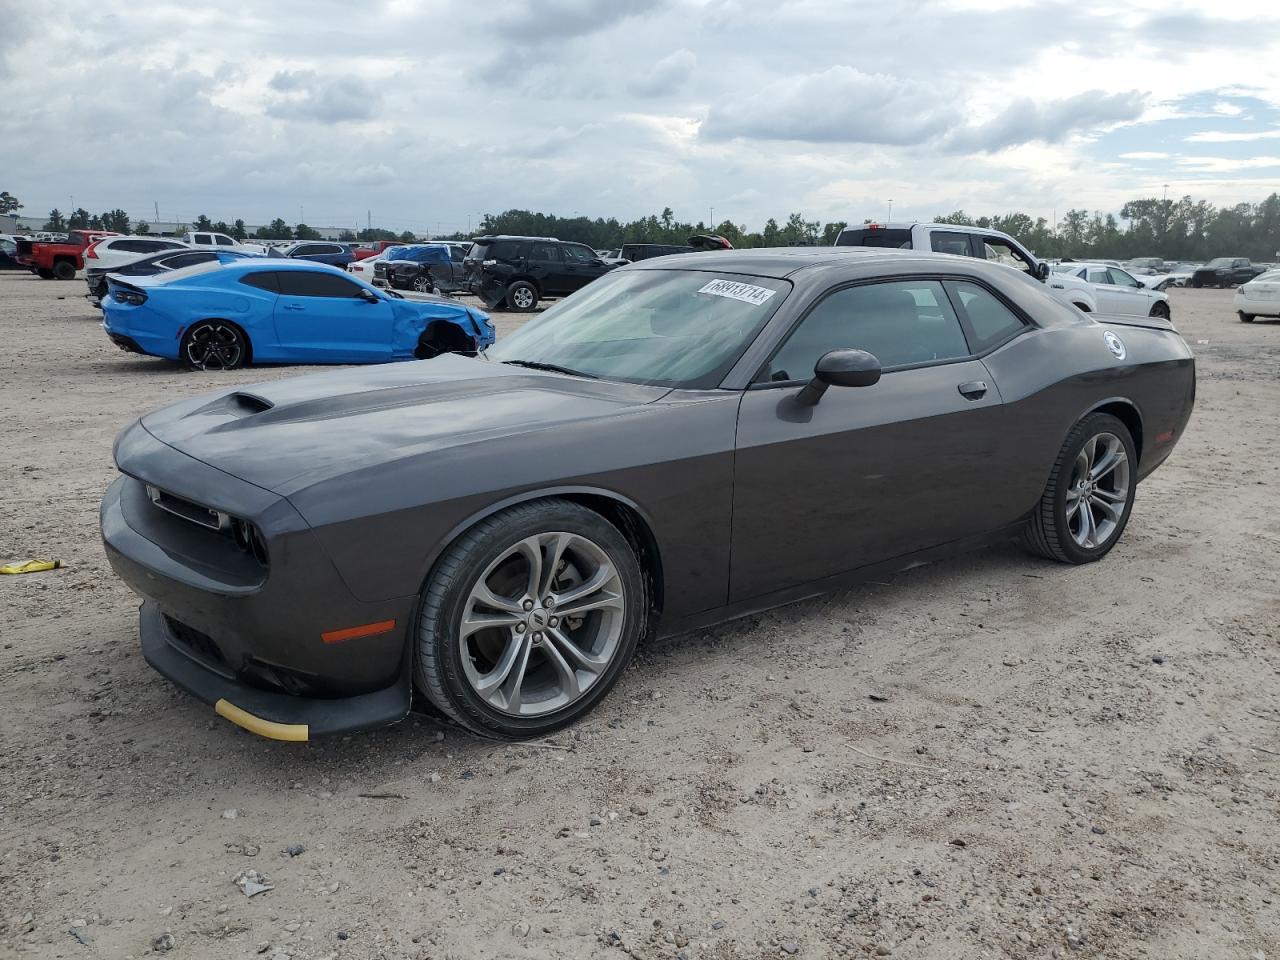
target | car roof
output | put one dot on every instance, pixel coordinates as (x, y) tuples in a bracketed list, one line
[(781, 262), (282, 263)]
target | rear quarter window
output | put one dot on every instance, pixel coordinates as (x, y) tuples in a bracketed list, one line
[(263, 280), (892, 239), (990, 321)]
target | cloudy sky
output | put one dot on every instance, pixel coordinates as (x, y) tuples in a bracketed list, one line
[(429, 112)]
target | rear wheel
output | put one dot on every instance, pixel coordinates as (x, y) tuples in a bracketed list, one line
[(214, 345), (529, 619), (1245, 317), (1087, 502), (64, 270), (522, 296), (1160, 309)]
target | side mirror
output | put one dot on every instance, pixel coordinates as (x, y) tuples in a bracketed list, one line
[(840, 368), (368, 296), (1042, 271)]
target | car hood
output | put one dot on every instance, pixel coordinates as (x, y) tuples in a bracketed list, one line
[(288, 435)]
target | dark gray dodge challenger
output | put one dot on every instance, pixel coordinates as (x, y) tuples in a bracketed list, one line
[(686, 440)]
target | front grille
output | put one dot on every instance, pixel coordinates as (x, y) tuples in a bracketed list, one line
[(179, 507), (380, 270), (242, 533)]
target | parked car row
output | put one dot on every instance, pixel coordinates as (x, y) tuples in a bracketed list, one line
[(63, 258)]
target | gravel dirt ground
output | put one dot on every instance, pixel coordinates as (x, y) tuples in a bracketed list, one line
[(995, 756)]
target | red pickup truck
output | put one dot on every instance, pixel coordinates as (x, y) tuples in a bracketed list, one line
[(367, 250), (59, 260)]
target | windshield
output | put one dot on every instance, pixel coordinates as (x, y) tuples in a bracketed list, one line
[(1066, 267), (673, 328)]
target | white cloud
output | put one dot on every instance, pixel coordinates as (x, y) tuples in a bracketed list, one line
[(1222, 136), (429, 114)]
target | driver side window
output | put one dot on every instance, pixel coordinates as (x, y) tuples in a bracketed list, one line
[(902, 322), (998, 250), (576, 254)]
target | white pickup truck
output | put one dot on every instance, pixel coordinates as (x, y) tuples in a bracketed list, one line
[(970, 242), (201, 239)]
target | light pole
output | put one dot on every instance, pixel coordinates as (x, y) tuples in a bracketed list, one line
[(889, 218)]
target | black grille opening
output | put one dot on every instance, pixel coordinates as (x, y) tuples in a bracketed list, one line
[(200, 644)]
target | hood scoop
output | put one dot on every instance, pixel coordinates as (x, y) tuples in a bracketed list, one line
[(250, 403)]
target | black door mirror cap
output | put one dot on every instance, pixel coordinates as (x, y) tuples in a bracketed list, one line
[(840, 368)]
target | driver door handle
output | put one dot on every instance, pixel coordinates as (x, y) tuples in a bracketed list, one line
[(974, 389)]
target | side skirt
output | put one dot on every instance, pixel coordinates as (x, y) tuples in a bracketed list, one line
[(842, 581)]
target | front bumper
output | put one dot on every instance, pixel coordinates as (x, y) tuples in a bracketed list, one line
[(271, 640), (277, 716)]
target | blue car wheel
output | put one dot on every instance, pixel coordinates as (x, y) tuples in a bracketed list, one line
[(214, 345)]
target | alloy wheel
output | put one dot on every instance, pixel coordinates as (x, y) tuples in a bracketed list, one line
[(1098, 491), (214, 346), (542, 624), (523, 298)]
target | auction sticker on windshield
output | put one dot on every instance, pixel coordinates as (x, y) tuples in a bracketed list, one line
[(746, 292)]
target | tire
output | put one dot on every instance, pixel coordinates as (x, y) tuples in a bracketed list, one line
[(214, 345), (64, 270), (1055, 530), (44, 273), (1160, 309), (522, 296), (1245, 317), (462, 675), (1195, 284), (422, 284)]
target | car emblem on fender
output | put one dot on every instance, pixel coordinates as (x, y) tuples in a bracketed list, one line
[(1115, 345)]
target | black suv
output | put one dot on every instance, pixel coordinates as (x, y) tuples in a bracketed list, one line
[(1226, 272), (517, 272)]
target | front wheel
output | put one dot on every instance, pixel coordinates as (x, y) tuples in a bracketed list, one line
[(422, 284), (214, 345), (522, 296), (529, 619), (1245, 317), (1089, 497)]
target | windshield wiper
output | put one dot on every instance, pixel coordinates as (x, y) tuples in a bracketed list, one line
[(554, 368)]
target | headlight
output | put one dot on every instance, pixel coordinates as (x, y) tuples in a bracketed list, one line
[(249, 539)]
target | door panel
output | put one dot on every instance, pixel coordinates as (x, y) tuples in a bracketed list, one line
[(319, 316), (868, 474)]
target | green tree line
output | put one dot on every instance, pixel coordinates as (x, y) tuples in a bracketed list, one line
[(1176, 229)]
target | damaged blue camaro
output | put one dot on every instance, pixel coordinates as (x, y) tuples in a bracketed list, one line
[(223, 316)]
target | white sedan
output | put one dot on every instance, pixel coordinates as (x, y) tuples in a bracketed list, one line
[(1260, 297), (364, 269), (1118, 292)]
